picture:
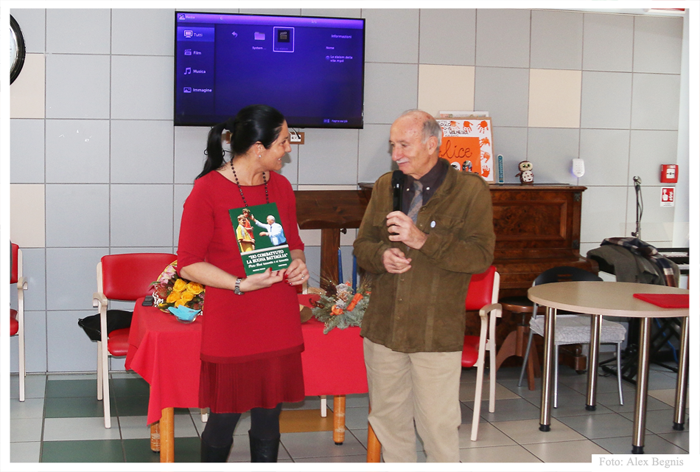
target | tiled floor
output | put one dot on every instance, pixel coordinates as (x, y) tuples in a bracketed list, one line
[(61, 421)]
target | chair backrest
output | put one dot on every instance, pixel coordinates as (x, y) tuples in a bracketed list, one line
[(129, 276), (565, 274), (16, 271), (483, 289)]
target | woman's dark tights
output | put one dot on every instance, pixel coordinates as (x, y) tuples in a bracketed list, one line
[(265, 424)]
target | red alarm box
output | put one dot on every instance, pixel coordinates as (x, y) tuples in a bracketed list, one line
[(669, 173)]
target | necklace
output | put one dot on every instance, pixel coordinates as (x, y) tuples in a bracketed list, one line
[(240, 189)]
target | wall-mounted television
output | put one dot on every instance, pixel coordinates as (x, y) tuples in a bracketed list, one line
[(309, 68)]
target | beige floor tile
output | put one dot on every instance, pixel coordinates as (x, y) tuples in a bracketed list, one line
[(488, 436), (668, 396), (466, 392), (497, 454), (527, 432), (568, 451)]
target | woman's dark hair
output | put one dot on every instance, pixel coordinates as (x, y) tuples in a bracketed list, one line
[(252, 124)]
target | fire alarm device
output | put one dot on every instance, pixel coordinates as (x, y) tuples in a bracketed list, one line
[(669, 173)]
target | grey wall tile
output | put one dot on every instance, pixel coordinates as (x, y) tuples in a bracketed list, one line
[(68, 347), (557, 40), (391, 35), (608, 42), (142, 87), (448, 37), (181, 194), (81, 31), (658, 44), (77, 151), (655, 101), (32, 22), (26, 151), (77, 86), (319, 164), (142, 151), (657, 221), (550, 150), (603, 213), (503, 38), (87, 222), (34, 270), (143, 32), (606, 156), (606, 99), (71, 275), (390, 89), (35, 343), (190, 144), (504, 93), (648, 150), (146, 207), (290, 165), (374, 157), (512, 144)]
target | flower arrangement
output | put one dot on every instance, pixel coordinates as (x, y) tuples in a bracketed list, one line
[(172, 291), (344, 308)]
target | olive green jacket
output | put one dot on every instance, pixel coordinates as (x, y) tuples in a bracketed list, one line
[(422, 310)]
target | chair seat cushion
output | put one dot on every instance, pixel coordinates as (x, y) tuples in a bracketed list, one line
[(14, 324), (118, 342), (470, 351), (576, 329)]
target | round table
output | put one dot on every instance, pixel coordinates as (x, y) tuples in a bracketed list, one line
[(611, 299)]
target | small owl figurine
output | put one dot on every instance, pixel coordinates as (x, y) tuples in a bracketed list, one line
[(525, 174)]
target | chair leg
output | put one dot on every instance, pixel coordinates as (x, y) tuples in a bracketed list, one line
[(22, 365), (99, 370), (619, 373), (105, 391), (555, 403), (526, 359), (492, 375), (477, 400)]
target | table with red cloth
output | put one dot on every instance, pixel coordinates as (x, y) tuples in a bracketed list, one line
[(165, 352)]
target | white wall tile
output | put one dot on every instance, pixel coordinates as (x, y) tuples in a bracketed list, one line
[(78, 31), (606, 156), (141, 152), (503, 38), (77, 86), (448, 36), (504, 93), (32, 23), (34, 271), (390, 89), (148, 206), (648, 150), (143, 32), (27, 151), (319, 164), (375, 156), (142, 88), (190, 144), (557, 40), (550, 150), (608, 42), (512, 144), (86, 224), (655, 101), (606, 100), (77, 151), (72, 279), (69, 350), (603, 212)]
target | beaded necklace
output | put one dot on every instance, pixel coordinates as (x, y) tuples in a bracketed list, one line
[(240, 189)]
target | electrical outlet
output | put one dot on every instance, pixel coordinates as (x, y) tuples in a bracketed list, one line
[(296, 137)]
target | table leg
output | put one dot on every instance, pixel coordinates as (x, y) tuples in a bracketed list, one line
[(339, 419), (642, 387), (167, 435), (548, 363), (596, 323), (682, 380), (155, 437), (374, 447)]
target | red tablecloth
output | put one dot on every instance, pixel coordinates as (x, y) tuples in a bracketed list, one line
[(165, 352)]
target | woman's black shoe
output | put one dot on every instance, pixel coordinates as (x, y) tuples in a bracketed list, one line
[(263, 450), (214, 454)]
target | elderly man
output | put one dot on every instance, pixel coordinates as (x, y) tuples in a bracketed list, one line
[(273, 230), (422, 258)]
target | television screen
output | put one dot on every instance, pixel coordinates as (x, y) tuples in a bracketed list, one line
[(311, 69)]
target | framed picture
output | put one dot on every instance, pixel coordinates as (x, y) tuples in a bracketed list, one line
[(467, 143)]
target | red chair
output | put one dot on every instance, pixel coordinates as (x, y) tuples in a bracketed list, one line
[(483, 296), (125, 277), (17, 316)]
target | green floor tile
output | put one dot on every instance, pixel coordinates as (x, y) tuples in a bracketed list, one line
[(71, 388), (129, 387), (139, 450), (82, 451), (76, 407), (132, 406)]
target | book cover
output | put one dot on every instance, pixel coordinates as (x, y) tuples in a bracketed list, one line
[(467, 145), (260, 237)]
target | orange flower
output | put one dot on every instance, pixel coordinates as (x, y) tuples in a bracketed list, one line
[(336, 310)]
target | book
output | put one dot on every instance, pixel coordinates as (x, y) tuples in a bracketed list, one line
[(665, 300), (467, 145), (260, 236)]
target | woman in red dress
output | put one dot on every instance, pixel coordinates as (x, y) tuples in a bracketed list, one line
[(251, 334)]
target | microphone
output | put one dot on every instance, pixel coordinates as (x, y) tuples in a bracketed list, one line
[(397, 179)]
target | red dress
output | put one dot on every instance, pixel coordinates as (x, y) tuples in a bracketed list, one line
[(251, 343)]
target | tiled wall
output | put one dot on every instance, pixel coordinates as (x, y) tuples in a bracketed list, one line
[(97, 166)]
